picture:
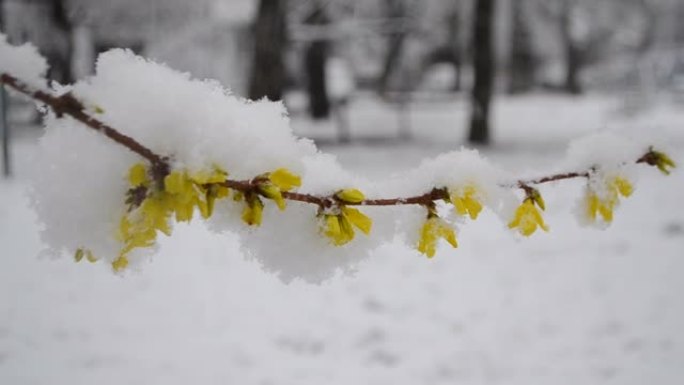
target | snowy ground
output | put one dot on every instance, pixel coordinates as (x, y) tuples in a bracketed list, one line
[(574, 306)]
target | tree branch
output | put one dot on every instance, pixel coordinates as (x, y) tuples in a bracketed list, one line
[(67, 104)]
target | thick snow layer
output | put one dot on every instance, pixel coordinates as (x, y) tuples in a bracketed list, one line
[(79, 185), (572, 306), (23, 62), (80, 195)]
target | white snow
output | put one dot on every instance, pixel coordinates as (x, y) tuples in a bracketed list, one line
[(572, 306), (80, 196), (23, 62)]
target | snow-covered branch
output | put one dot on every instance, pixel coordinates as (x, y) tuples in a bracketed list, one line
[(205, 151)]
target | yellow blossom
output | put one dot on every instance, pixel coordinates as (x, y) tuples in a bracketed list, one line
[(120, 263), (81, 252), (285, 179), (340, 227), (253, 211), (528, 218), (137, 175), (271, 191), (273, 184), (358, 219), (433, 229), (212, 193), (90, 257), (465, 201), (664, 163), (78, 255), (180, 194), (350, 195), (605, 204), (217, 175)]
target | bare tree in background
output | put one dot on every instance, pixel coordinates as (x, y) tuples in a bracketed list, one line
[(270, 37), (454, 46), (574, 55), (315, 60), (483, 65), (60, 58), (2, 15), (522, 61), (395, 11)]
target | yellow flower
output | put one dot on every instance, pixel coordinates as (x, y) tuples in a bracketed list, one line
[(604, 205), (360, 220), (78, 255), (340, 227), (253, 211), (81, 252), (465, 201), (212, 193), (273, 184), (90, 257), (285, 179), (350, 195), (664, 163), (433, 229), (137, 175), (120, 263), (180, 194), (271, 191), (217, 175), (527, 218), (210, 189)]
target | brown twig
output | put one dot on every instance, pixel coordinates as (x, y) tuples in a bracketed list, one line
[(67, 104)]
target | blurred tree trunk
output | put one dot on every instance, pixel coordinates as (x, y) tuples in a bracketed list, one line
[(315, 59), (270, 36), (61, 63), (574, 55), (483, 65), (454, 28), (522, 61), (394, 10)]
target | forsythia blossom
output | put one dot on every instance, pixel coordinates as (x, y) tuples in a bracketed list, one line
[(603, 204), (271, 185), (81, 252), (527, 217), (338, 224), (664, 163), (153, 205), (433, 229), (466, 202)]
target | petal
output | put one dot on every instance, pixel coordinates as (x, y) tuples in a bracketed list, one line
[(78, 255), (137, 175), (346, 228), (623, 186), (120, 263), (358, 219), (285, 179), (90, 257), (459, 205), (592, 206), (428, 239), (446, 232), (350, 195), (272, 191), (474, 207)]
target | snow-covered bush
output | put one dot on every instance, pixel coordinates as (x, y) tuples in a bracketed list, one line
[(139, 146)]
